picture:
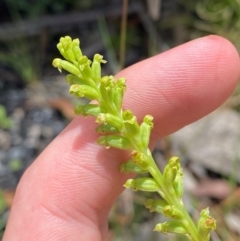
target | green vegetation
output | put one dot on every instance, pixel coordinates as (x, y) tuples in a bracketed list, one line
[(5, 121)]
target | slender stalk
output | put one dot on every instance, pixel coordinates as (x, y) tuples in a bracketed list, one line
[(106, 38), (123, 34)]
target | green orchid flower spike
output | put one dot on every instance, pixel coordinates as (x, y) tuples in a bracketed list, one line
[(120, 129)]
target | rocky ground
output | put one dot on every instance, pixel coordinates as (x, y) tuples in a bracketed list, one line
[(34, 125)]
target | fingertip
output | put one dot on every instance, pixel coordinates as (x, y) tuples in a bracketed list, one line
[(184, 83), (228, 60), (216, 62), (221, 56), (221, 43)]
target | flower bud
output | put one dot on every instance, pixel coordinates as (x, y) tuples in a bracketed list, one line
[(130, 166), (145, 130), (106, 86), (146, 184), (171, 227), (76, 48), (63, 64), (178, 184), (206, 224), (71, 57), (140, 159), (107, 82), (61, 50), (118, 92), (84, 65), (73, 79), (96, 66), (103, 129), (121, 83), (75, 42), (130, 122), (84, 91), (88, 109), (156, 205), (110, 119), (66, 41), (170, 171), (64, 46), (172, 212), (119, 142)]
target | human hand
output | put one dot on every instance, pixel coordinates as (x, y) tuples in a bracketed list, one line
[(67, 192)]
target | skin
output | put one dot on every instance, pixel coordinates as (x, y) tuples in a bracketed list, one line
[(67, 192)]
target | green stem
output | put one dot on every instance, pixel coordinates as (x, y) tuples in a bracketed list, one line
[(123, 33), (169, 194), (172, 199)]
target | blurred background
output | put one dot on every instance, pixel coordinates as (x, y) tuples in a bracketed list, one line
[(35, 105)]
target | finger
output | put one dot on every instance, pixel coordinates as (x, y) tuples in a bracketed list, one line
[(183, 84), (67, 192)]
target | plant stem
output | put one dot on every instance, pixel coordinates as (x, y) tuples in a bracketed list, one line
[(123, 33), (169, 194), (172, 199)]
